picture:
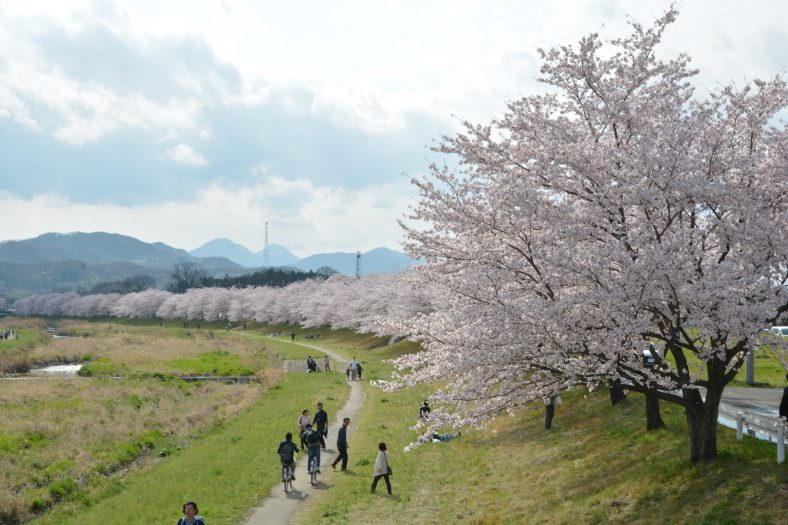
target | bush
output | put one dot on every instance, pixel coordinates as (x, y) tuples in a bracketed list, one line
[(61, 489)]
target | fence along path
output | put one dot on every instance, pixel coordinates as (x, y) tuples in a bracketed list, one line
[(279, 507)]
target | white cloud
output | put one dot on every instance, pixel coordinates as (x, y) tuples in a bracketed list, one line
[(184, 154)]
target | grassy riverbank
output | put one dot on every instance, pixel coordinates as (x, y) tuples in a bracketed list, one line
[(69, 445), (597, 465), (227, 470)]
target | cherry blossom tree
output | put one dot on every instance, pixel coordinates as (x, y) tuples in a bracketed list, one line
[(615, 210)]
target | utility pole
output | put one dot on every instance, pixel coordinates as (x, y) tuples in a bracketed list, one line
[(358, 264), (266, 254)]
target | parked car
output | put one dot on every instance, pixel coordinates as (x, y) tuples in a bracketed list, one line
[(779, 330)]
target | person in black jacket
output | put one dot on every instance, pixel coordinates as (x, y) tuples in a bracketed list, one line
[(321, 423), (342, 445), (784, 402)]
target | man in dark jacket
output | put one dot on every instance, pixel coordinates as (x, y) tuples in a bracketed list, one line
[(342, 445), (287, 451), (784, 402), (321, 422)]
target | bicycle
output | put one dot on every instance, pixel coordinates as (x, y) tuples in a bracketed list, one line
[(287, 477), (313, 470)]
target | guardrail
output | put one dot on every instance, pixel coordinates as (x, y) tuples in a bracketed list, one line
[(758, 426)]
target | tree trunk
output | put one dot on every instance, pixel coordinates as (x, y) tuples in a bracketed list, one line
[(702, 423), (617, 393), (653, 417)]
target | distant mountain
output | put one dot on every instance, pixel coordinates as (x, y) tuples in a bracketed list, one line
[(228, 249), (278, 255), (71, 261), (89, 247), (379, 260), (79, 261)]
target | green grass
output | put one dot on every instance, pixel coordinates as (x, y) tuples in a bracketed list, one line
[(218, 363), (227, 471), (597, 465)]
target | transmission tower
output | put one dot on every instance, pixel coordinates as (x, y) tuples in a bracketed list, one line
[(358, 264), (266, 254)]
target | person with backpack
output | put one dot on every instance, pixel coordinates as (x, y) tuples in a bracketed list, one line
[(287, 451), (190, 516), (312, 439), (321, 422), (382, 469)]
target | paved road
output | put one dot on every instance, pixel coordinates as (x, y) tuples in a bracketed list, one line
[(278, 507), (763, 401)]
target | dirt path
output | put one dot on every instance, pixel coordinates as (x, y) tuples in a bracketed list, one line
[(278, 507)]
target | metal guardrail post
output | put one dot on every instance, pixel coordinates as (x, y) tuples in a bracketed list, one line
[(781, 442), (739, 426), (749, 364)]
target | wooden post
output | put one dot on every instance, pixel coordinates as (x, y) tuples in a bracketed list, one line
[(781, 442), (739, 426)]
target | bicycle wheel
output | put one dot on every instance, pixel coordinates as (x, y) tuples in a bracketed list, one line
[(313, 474)]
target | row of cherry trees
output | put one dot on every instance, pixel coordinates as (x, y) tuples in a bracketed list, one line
[(339, 302)]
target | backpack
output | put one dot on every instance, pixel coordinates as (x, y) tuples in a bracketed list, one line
[(286, 453), (313, 438)]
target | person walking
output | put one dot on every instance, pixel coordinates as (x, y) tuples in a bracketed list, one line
[(784, 402), (326, 364), (353, 368), (342, 445), (551, 402), (382, 469), (190, 516), (303, 421), (321, 422)]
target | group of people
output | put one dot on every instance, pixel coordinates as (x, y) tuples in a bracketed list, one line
[(311, 364), (5, 335), (353, 370), (312, 433), (313, 440)]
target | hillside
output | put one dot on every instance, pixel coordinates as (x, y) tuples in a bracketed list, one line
[(79, 260)]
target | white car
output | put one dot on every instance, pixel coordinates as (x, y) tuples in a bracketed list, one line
[(779, 330)]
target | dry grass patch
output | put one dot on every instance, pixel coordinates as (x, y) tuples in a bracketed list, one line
[(63, 440)]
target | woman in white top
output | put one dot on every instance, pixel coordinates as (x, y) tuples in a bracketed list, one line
[(382, 469), (303, 421)]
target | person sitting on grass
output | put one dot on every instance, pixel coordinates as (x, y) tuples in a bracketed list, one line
[(190, 516), (442, 438), (287, 451)]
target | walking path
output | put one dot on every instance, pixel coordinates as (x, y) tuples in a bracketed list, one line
[(278, 507)]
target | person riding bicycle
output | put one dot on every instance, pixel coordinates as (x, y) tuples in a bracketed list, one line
[(287, 451), (312, 439)]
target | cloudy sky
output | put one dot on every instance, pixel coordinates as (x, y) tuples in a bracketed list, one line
[(205, 119)]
